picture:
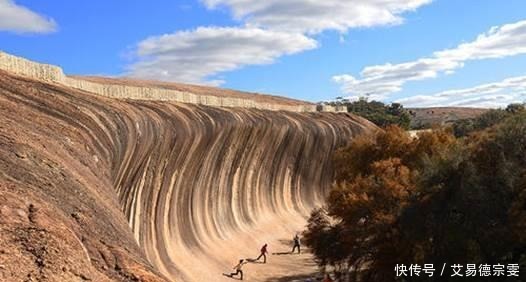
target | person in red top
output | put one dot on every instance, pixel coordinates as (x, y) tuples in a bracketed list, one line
[(263, 253)]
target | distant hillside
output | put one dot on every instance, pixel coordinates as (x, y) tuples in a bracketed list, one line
[(426, 117)]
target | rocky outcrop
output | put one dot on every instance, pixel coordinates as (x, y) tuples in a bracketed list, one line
[(21, 66), (99, 189), (55, 74)]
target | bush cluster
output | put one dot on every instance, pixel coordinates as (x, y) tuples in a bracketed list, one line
[(431, 199)]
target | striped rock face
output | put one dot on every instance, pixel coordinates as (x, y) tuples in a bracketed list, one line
[(114, 190)]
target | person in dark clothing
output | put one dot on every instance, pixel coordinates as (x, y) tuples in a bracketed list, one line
[(263, 253), (296, 244), (238, 269)]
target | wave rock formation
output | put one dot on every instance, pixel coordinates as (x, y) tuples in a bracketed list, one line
[(93, 188)]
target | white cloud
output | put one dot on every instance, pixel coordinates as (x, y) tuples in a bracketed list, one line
[(313, 16), (498, 42), (20, 19), (271, 29), (491, 95), (196, 56), (382, 80)]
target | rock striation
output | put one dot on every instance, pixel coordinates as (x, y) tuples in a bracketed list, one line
[(100, 189)]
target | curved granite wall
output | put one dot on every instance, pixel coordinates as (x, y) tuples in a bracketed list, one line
[(147, 189), (197, 182)]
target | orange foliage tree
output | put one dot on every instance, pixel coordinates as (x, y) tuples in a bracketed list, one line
[(431, 199)]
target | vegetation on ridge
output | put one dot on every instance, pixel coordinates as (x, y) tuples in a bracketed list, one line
[(490, 118), (377, 112)]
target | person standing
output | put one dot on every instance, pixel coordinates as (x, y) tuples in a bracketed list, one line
[(263, 253), (296, 244)]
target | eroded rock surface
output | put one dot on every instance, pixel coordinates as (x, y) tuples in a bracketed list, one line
[(96, 189)]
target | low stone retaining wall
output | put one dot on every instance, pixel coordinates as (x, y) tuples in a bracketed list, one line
[(55, 74)]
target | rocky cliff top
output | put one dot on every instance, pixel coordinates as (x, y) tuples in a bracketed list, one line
[(155, 90)]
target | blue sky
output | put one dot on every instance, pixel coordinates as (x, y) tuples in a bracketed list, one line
[(382, 49)]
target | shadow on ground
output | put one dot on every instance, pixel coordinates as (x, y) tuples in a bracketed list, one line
[(282, 253), (295, 278)]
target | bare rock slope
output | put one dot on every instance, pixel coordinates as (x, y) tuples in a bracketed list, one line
[(98, 189)]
